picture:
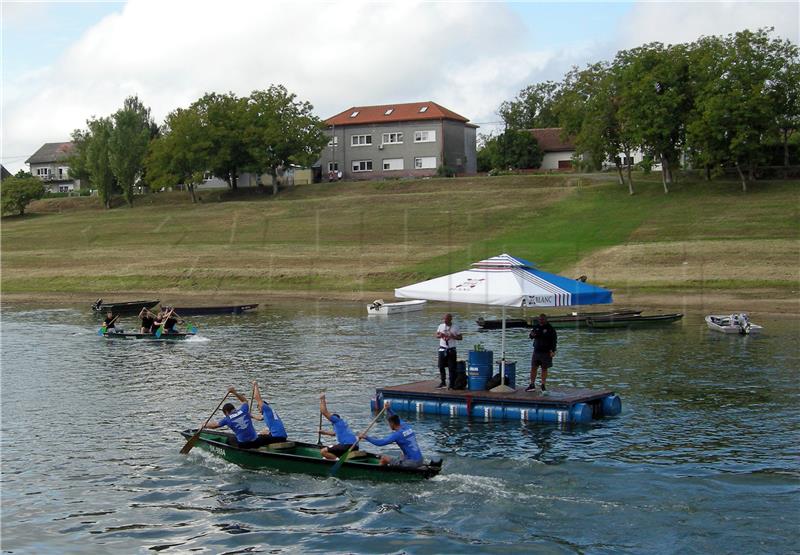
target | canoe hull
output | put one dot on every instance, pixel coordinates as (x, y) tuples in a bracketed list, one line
[(305, 459), (210, 310), (149, 336), (633, 322), (560, 321), (123, 309)]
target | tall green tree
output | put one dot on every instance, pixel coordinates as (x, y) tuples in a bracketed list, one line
[(281, 130), (224, 118), (17, 192), (513, 149), (181, 154), (98, 158), (533, 107), (128, 144)]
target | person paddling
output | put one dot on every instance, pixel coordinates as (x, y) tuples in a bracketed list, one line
[(240, 422), (275, 432), (148, 319), (403, 435), (109, 322), (345, 437)]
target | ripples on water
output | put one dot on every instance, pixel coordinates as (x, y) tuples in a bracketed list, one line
[(704, 457)]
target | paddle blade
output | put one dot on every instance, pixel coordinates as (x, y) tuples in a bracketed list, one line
[(101, 331), (338, 464), (192, 328), (159, 331), (191, 443)]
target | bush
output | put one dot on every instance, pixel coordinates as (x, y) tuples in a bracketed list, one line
[(445, 171), (18, 192)]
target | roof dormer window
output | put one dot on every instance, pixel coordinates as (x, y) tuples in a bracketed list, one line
[(354, 114), (423, 109), (388, 112)]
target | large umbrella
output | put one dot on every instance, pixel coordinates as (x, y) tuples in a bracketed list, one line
[(505, 281)]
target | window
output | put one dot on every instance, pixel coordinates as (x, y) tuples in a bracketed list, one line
[(362, 165), (392, 164), (423, 109), (63, 173), (354, 114), (42, 172), (361, 140), (392, 139), (333, 166), (64, 189), (208, 176), (424, 136), (388, 112), (334, 141), (425, 162)]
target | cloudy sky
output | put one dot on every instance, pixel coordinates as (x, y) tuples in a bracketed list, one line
[(63, 62)]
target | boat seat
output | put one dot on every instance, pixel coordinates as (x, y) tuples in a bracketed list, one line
[(281, 446), (357, 455)]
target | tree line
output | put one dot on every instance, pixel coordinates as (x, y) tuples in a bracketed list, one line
[(221, 134), (721, 102)]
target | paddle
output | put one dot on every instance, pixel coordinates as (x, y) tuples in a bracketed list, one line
[(193, 439), (319, 430), (338, 464), (104, 328), (190, 328), (160, 329)]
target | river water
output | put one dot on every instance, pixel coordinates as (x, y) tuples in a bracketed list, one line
[(704, 457)]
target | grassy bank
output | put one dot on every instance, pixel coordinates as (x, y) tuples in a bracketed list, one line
[(372, 237)]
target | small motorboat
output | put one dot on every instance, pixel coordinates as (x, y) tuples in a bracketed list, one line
[(732, 323), (380, 307), (296, 456)]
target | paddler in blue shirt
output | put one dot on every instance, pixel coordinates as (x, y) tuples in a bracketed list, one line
[(404, 437), (345, 438), (240, 422), (275, 432)]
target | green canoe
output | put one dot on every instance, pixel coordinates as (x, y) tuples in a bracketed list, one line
[(633, 321), (296, 456), (149, 336)]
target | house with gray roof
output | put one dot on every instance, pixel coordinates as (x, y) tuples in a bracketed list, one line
[(49, 164), (398, 140)]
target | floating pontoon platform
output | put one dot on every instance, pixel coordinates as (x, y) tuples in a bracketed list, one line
[(559, 404)]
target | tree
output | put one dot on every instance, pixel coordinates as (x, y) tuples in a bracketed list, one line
[(23, 173), (128, 144), (181, 154), (281, 130), (224, 118), (18, 192), (98, 163), (533, 107), (514, 149)]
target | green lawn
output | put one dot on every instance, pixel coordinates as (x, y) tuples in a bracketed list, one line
[(375, 236)]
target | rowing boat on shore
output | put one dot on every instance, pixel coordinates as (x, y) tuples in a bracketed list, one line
[(123, 309), (608, 322), (208, 310), (574, 320), (149, 336), (296, 456)]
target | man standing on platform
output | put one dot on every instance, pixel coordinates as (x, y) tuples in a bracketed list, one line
[(447, 333), (545, 340)]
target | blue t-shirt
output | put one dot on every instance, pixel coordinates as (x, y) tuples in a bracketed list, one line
[(344, 435), (405, 438), (272, 421), (240, 422)]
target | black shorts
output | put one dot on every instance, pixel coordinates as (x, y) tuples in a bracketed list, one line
[(341, 448), (541, 359), (255, 444), (268, 439)]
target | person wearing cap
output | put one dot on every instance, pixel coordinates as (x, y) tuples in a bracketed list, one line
[(240, 422), (345, 438)]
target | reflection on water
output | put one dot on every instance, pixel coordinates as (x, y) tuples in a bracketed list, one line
[(703, 458)]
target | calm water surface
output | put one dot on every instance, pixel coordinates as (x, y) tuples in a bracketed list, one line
[(703, 459)]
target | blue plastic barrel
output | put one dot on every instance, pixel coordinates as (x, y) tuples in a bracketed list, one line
[(430, 407), (581, 413), (487, 412), (480, 364), (451, 408), (398, 405), (511, 372), (612, 405), (477, 383)]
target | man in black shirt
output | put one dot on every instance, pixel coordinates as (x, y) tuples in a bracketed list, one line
[(545, 340)]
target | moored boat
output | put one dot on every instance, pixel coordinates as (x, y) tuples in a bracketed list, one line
[(380, 307), (738, 323), (574, 320), (148, 336), (607, 322), (296, 456), (124, 308), (208, 310)]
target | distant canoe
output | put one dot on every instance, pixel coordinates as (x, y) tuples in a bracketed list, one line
[(123, 309), (149, 336), (633, 321), (207, 310), (380, 307), (574, 320)]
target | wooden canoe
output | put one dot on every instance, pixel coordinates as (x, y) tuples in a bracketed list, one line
[(305, 458), (575, 320), (208, 310), (149, 336), (633, 321), (125, 308)]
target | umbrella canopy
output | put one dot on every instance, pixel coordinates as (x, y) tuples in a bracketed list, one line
[(506, 281)]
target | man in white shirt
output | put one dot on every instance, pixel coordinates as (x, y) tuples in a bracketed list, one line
[(447, 333)]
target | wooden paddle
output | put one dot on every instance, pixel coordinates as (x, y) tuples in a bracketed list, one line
[(193, 439), (104, 328), (160, 330), (338, 464), (190, 328), (319, 430)]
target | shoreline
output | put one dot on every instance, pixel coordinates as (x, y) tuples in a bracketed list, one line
[(773, 302)]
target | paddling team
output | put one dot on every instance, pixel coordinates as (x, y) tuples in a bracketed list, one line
[(240, 422)]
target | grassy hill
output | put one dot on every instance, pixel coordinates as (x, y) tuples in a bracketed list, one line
[(374, 236)]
